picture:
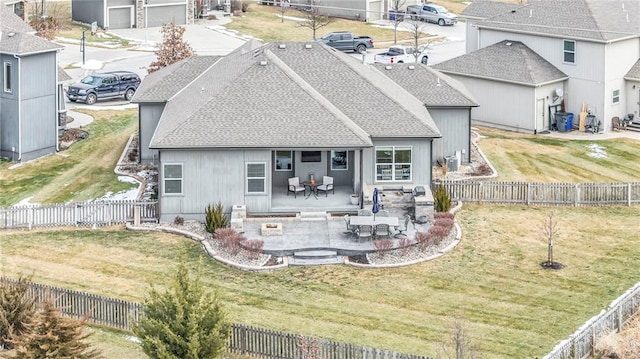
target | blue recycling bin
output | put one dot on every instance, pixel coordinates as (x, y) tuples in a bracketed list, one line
[(569, 121)]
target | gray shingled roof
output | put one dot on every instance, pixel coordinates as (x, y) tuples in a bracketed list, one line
[(63, 76), (163, 84), (509, 61), (12, 22), (432, 87), (484, 9), (595, 20), (294, 97), (634, 72), (20, 43)]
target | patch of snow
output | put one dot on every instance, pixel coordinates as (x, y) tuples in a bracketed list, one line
[(131, 338), (25, 202), (91, 64), (596, 151), (130, 194)]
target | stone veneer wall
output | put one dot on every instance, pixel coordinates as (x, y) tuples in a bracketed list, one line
[(139, 14), (191, 11)]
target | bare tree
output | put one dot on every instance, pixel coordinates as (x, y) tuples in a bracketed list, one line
[(284, 5), (416, 28), (460, 345), (172, 49), (550, 230), (395, 6), (314, 18)]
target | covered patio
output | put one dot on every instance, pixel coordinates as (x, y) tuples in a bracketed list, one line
[(340, 201)]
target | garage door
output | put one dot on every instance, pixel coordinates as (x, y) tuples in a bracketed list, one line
[(376, 11), (160, 15), (120, 18)]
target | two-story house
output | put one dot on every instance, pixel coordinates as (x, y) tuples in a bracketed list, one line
[(31, 95), (524, 59)]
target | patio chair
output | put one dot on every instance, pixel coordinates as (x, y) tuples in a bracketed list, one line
[(382, 213), (327, 185), (295, 187), (382, 230), (365, 212), (351, 230), (403, 225), (365, 232)]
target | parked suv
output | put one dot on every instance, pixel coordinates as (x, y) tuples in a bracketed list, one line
[(102, 86)]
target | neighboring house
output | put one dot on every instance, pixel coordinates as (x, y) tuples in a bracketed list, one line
[(123, 14), (31, 96), (594, 43), (18, 7), (448, 102), (226, 135), (364, 10)]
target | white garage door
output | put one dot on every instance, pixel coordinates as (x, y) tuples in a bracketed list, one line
[(160, 15), (120, 18), (375, 11)]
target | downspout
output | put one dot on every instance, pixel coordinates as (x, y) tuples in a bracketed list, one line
[(57, 114), (19, 110)]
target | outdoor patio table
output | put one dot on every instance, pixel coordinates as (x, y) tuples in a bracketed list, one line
[(313, 188), (373, 221)]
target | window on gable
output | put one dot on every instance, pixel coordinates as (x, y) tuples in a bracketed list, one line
[(172, 175), (569, 51), (616, 96), (7, 77), (256, 177), (393, 163)]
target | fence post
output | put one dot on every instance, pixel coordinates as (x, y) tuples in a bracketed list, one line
[(30, 217), (576, 194), (109, 211), (629, 194), (528, 193), (136, 215), (75, 214)]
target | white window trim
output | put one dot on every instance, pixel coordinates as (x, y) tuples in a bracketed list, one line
[(565, 51), (247, 178), (346, 158), (7, 66), (615, 99), (165, 179), (393, 164), (275, 167)]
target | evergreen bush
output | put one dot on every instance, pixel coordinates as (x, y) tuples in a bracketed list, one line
[(442, 201), (215, 218)]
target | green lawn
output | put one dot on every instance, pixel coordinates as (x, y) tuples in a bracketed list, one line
[(492, 281), (83, 172)]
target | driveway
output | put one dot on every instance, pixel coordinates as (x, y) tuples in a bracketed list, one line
[(452, 45)]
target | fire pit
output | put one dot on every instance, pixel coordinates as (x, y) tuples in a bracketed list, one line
[(271, 229)]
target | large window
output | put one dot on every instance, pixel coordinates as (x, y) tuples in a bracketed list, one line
[(284, 160), (256, 177), (569, 51), (339, 161), (7, 77), (172, 175), (616, 96), (393, 163)]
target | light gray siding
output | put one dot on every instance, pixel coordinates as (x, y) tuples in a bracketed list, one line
[(420, 158), (160, 15), (114, 3), (148, 117), (350, 9), (9, 140), (210, 176), (88, 11), (39, 115), (455, 126), (506, 106)]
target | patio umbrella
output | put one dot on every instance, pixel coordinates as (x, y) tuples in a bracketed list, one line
[(376, 205)]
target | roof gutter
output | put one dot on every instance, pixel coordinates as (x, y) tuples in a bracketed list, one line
[(34, 52), (629, 36), (19, 109), (505, 81)]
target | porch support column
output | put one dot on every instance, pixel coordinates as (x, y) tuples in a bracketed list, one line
[(357, 171)]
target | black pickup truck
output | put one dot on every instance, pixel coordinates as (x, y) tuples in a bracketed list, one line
[(346, 41), (102, 86)]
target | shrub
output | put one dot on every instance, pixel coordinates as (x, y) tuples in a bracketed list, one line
[(442, 202), (178, 221), (133, 155), (439, 233), (444, 222), (215, 218), (254, 246), (404, 243), (424, 240), (229, 239), (383, 246), (438, 215), (17, 310)]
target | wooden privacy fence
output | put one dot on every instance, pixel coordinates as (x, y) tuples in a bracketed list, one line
[(244, 339), (581, 344), (544, 194), (77, 214)]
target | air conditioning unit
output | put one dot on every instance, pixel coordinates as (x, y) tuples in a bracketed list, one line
[(453, 163)]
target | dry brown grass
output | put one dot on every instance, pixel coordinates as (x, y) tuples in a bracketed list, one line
[(623, 345)]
